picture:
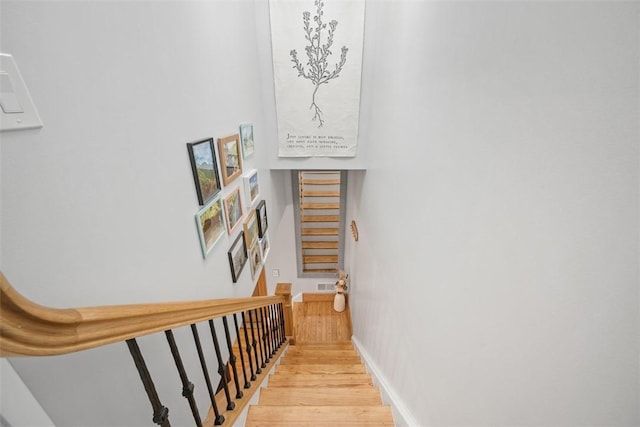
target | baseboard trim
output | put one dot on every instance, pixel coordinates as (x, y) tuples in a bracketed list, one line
[(401, 414)]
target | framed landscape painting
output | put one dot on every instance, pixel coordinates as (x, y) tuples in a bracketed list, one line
[(233, 210), (237, 257), (246, 136), (264, 247), (251, 186), (261, 212), (205, 169), (210, 221), (230, 158), (251, 229), (255, 260)]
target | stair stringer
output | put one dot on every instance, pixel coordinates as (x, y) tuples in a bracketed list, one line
[(402, 416)]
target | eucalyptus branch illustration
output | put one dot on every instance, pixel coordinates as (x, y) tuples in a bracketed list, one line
[(317, 70)]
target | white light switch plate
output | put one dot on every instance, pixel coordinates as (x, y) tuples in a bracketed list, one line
[(16, 107)]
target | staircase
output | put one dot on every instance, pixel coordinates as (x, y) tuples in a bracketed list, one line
[(320, 207), (320, 384)]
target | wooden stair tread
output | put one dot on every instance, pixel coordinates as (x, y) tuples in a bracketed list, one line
[(320, 380), (319, 232), (320, 193), (319, 259), (320, 245), (317, 352), (315, 360), (310, 181), (320, 270), (320, 218), (321, 416), (320, 205), (311, 396), (322, 369)]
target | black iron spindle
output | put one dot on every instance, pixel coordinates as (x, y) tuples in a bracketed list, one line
[(282, 324), (276, 310), (239, 339), (219, 419), (265, 340), (248, 345), (160, 413), (261, 364), (221, 369), (272, 327), (187, 386), (232, 357), (261, 336)]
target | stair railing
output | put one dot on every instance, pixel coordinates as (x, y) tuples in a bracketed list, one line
[(30, 329)]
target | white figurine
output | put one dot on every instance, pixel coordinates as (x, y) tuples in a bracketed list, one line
[(340, 287)]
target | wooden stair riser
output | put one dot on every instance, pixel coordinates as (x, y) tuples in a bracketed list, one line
[(322, 369), (320, 353), (320, 416), (309, 396), (320, 380), (308, 360)]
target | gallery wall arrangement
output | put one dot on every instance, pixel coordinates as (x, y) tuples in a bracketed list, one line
[(229, 205)]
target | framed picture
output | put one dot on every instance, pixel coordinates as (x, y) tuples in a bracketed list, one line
[(210, 221), (237, 257), (230, 158), (246, 136), (233, 210), (205, 169), (251, 229), (255, 261), (251, 186), (261, 212), (265, 246)]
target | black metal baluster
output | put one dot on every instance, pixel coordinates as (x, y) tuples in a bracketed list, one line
[(263, 321), (272, 328), (187, 386), (232, 357), (282, 324), (219, 418), (160, 413), (254, 342), (221, 370), (276, 311), (257, 342), (261, 343), (244, 369), (248, 345)]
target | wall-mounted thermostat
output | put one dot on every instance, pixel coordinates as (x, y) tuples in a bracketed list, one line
[(16, 107)]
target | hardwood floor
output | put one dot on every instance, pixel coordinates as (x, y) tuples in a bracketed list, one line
[(316, 321)]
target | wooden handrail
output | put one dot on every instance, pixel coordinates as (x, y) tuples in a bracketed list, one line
[(30, 329)]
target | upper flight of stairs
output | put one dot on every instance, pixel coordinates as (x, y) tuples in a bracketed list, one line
[(320, 384)]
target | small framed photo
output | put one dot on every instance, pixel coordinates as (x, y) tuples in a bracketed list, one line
[(237, 257), (230, 158), (255, 261), (233, 210), (251, 229), (264, 247), (263, 223), (210, 221), (251, 187), (246, 136), (205, 169)]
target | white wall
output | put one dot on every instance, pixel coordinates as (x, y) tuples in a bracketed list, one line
[(18, 407), (98, 207), (495, 282)]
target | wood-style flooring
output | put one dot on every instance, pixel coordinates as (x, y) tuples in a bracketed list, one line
[(315, 320)]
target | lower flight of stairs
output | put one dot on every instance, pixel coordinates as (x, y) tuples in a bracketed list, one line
[(322, 384)]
